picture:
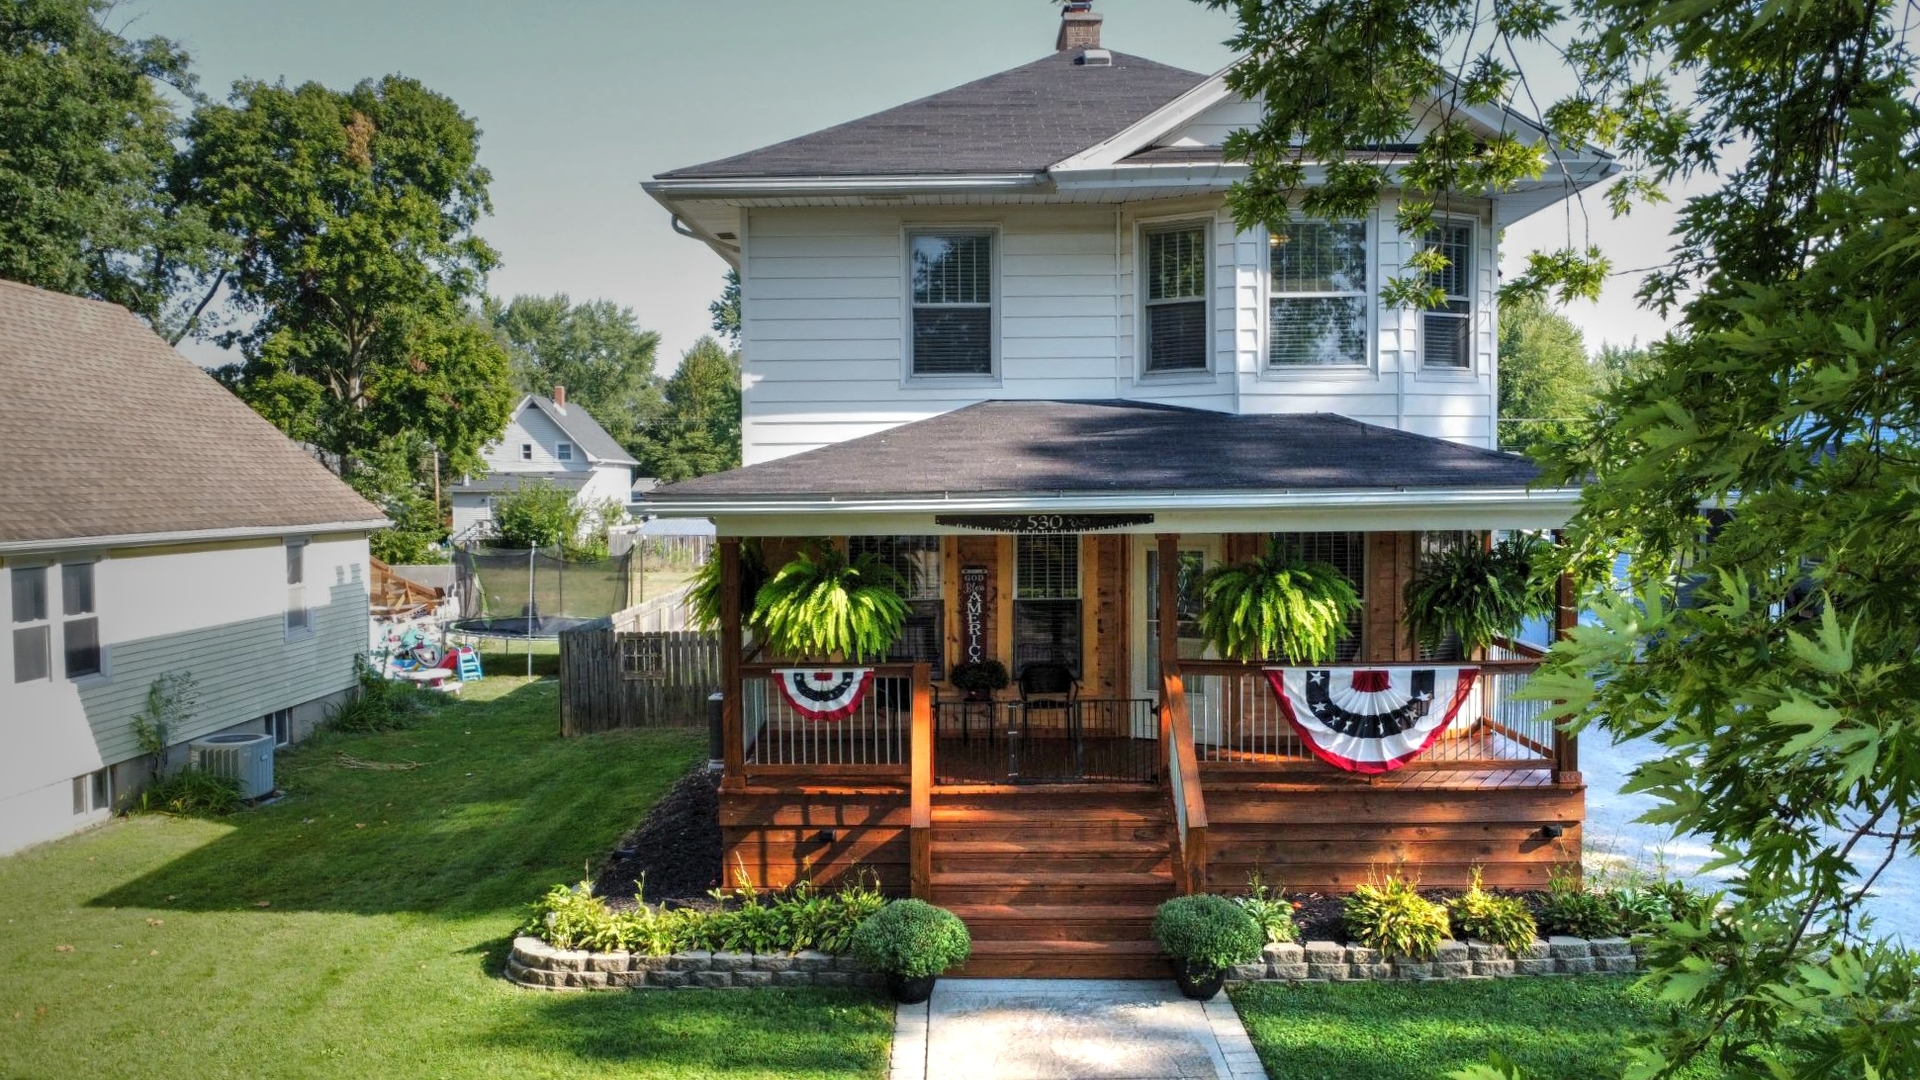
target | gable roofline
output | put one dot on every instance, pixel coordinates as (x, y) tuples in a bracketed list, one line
[(578, 424)]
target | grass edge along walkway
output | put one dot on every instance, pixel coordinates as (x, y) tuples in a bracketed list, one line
[(358, 926)]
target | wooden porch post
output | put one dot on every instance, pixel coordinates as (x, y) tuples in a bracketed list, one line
[(732, 728), (1167, 614), (920, 788), (1566, 615)]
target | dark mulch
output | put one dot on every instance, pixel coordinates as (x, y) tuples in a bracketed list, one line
[(1318, 915), (675, 848)]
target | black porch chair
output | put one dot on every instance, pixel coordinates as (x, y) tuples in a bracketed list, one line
[(1048, 686)]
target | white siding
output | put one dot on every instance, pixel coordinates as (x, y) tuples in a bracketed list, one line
[(824, 347), (532, 426), (218, 612)]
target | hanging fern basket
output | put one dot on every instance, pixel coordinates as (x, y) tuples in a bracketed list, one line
[(1479, 593), (824, 606), (1276, 607)]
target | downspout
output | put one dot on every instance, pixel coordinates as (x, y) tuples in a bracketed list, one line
[(1119, 382)]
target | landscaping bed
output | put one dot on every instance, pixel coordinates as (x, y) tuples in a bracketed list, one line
[(675, 850)]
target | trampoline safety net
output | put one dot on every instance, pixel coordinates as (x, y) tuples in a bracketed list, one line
[(536, 594)]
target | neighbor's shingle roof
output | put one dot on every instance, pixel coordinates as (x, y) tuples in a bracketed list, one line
[(1021, 120), (106, 431), (585, 431), (1028, 447)]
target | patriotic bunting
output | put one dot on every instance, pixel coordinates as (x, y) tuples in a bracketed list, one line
[(830, 694), (1371, 720)]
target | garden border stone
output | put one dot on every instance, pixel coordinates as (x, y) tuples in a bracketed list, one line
[(536, 964), (1325, 961)]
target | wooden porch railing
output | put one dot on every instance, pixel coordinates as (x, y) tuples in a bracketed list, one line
[(1237, 722), (1189, 802), (875, 741)]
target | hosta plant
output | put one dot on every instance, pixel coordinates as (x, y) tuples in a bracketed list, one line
[(1390, 915), (1571, 908), (1270, 910), (825, 605), (1276, 606), (1477, 593), (1500, 920)]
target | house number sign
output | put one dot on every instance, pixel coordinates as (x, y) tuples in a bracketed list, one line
[(973, 606), (1041, 523)]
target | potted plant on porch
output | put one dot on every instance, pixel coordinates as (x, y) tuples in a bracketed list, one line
[(912, 943), (1207, 936), (979, 679), (1276, 605), (1478, 593), (824, 605)]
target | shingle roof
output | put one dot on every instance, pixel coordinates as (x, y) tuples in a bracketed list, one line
[(106, 431), (585, 431), (1027, 447), (493, 483), (1020, 120)]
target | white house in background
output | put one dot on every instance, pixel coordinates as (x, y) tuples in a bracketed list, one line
[(547, 439), (151, 523)]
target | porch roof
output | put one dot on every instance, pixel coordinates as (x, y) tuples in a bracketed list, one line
[(1080, 448)]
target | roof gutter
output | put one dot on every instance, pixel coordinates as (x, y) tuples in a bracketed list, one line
[(187, 536), (1537, 498)]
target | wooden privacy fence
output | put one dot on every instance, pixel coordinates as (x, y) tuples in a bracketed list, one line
[(617, 678)]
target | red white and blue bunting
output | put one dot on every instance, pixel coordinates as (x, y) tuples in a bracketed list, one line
[(824, 694), (1371, 720)]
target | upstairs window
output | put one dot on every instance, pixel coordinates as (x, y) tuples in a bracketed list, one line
[(1447, 331), (80, 632), (952, 285), (917, 560), (1317, 297), (32, 635), (563, 451), (1176, 298), (526, 451), (1046, 602), (299, 619)]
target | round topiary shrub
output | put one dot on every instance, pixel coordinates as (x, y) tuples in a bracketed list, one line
[(912, 939), (1207, 933)]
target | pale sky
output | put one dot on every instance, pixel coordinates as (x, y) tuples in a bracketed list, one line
[(579, 101)]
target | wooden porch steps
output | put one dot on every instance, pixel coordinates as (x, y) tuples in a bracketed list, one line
[(1058, 881)]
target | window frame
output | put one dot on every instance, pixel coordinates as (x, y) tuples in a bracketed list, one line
[(1370, 299), (526, 451), (1143, 339), (43, 623), (995, 303), (1471, 317), (92, 614), (1078, 600), (563, 451), (277, 723), (295, 548)]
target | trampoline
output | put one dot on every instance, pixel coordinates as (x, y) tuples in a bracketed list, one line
[(535, 595)]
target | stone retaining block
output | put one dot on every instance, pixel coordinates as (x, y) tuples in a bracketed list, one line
[(534, 963), (1325, 961)]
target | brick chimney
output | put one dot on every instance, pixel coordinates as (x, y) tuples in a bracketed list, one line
[(560, 398), (1079, 27)]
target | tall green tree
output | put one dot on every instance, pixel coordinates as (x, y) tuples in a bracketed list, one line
[(87, 145), (1785, 694), (726, 310), (595, 349), (353, 214), (1547, 385), (699, 432)]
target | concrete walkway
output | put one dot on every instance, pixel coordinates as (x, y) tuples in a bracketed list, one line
[(1069, 1029)]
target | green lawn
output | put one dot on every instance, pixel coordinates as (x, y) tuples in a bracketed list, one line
[(357, 927), (1573, 1027)]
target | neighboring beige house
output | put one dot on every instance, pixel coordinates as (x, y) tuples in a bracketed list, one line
[(552, 441), (150, 522)]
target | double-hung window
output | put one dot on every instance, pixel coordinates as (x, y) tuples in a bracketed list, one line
[(526, 451), (80, 632), (563, 451), (1447, 330), (917, 560), (299, 619), (1046, 602), (1317, 295), (1176, 297), (32, 632), (951, 278)]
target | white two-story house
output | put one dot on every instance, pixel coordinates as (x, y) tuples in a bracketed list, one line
[(550, 441), (1008, 338), (151, 524)]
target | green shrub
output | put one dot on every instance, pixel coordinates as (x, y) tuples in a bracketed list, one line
[(192, 793), (1500, 920), (1390, 915), (538, 514), (912, 939), (1209, 933), (1570, 908), (979, 675), (378, 703), (572, 917), (1271, 912)]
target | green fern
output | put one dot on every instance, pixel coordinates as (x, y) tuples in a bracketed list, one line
[(823, 605), (1479, 594), (703, 597), (1276, 606)]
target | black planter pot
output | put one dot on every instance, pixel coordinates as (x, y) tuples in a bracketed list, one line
[(1198, 983), (910, 991)]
